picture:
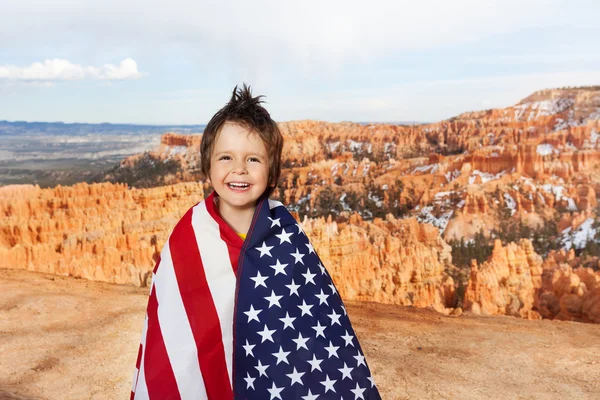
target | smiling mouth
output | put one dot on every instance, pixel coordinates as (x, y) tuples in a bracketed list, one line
[(238, 185)]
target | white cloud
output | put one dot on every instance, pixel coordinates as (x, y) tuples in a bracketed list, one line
[(254, 38), (63, 70)]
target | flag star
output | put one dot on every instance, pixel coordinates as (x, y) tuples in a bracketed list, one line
[(346, 372), (274, 222), (262, 369), (300, 230), (279, 268), (315, 363), (348, 339), (358, 392), (320, 329), (322, 268), (311, 249), (248, 347), (309, 277), (335, 318), (273, 299), (344, 308), (332, 350), (370, 378), (322, 297), (360, 359), (297, 257), (252, 314), (293, 288), (267, 334), (284, 236), (281, 356), (288, 321), (305, 308), (310, 396), (249, 380), (300, 342), (264, 249), (333, 291), (295, 377), (275, 392), (328, 383), (259, 280)]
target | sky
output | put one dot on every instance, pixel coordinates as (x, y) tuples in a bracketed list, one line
[(176, 62)]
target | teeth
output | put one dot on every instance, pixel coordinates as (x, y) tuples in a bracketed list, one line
[(239, 184)]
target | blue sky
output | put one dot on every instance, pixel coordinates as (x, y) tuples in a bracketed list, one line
[(176, 63)]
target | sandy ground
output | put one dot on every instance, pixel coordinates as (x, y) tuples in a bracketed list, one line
[(63, 338)]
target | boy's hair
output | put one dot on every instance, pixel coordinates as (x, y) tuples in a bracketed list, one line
[(246, 111)]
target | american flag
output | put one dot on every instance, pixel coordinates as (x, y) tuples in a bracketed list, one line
[(262, 320)]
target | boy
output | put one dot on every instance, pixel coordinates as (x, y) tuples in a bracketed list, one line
[(240, 305)]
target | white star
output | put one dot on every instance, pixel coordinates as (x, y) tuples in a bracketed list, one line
[(322, 268), (267, 334), (370, 378), (320, 329), (346, 372), (297, 257), (259, 280), (249, 381), (333, 291), (310, 396), (288, 321), (309, 277), (295, 377), (274, 222), (300, 230), (305, 308), (328, 383), (262, 369), (360, 359), (322, 297), (293, 288), (248, 347), (300, 342), (281, 356), (311, 249), (273, 299), (252, 314), (284, 237), (332, 350), (335, 318), (274, 391), (348, 339), (279, 268), (344, 308), (358, 392), (264, 249), (315, 363)]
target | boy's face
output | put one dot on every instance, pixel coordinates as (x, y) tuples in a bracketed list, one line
[(239, 167)]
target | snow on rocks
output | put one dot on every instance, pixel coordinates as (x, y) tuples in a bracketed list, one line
[(579, 237)]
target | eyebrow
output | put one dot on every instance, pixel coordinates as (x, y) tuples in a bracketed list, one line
[(231, 152)]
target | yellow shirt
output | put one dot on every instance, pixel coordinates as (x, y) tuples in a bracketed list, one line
[(242, 235)]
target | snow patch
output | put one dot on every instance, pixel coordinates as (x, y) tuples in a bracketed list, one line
[(580, 236), (485, 177), (546, 149), (511, 204)]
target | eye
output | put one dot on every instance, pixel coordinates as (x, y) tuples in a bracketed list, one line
[(224, 158), (254, 159)]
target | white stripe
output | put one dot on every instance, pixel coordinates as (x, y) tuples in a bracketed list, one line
[(141, 390), (177, 332), (274, 203), (219, 274)]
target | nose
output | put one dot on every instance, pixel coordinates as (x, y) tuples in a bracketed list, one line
[(240, 167)]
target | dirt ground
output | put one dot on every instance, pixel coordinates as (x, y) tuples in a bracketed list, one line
[(63, 338)]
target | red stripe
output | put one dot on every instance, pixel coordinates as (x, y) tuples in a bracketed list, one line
[(200, 309), (156, 265), (160, 379)]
